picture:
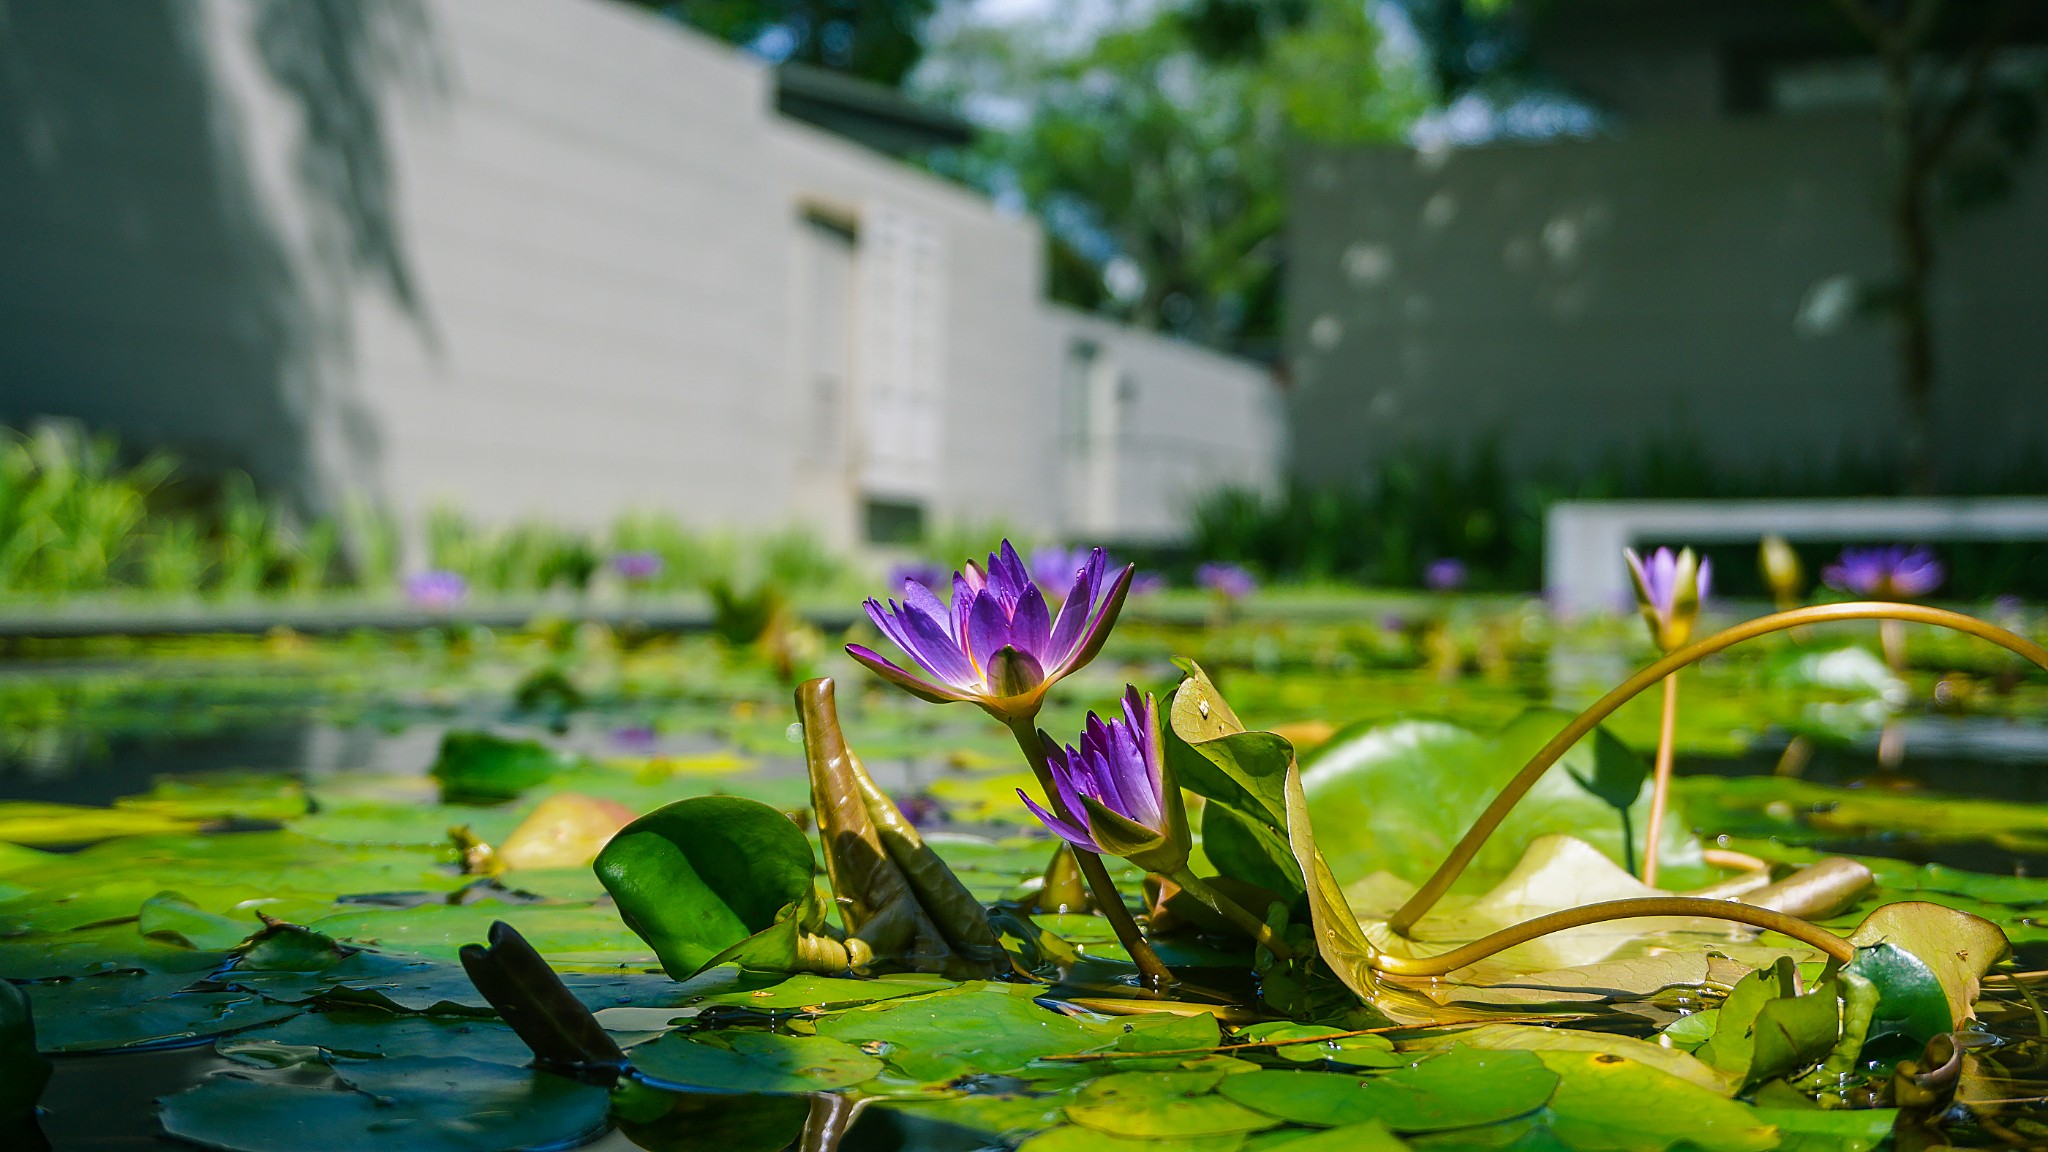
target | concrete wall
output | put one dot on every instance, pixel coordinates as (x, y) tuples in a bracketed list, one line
[(1576, 298), (553, 258)]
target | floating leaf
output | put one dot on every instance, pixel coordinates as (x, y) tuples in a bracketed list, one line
[(1370, 1136), (976, 1027), (391, 1105), (482, 768), (708, 1122), (566, 830), (168, 916), (137, 1010), (714, 879), (1074, 1138), (1459, 1089), (1528, 1038), (1153, 1104), (1956, 947), (1605, 1101), (1327, 1043), (753, 1062)]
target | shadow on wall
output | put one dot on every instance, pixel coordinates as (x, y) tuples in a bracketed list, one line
[(148, 285)]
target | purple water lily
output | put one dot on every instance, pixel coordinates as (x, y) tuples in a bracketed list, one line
[(997, 644), (436, 589), (1669, 587), (915, 572), (1148, 584), (1226, 580), (637, 567), (1444, 575), (1895, 572), (1115, 791), (1055, 568)]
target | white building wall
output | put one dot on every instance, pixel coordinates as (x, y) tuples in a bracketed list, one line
[(533, 258)]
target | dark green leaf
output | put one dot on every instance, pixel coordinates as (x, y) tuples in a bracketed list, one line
[(393, 1105), (1155, 1104), (1459, 1089), (481, 768), (714, 879), (753, 1062)]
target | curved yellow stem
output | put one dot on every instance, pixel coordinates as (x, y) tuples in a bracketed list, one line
[(1454, 865), (1800, 930)]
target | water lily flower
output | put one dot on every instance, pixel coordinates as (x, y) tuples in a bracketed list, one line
[(1116, 793), (1226, 580), (1669, 589), (436, 589), (997, 644), (1444, 575), (637, 567), (1889, 573)]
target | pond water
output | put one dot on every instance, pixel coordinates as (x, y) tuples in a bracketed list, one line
[(287, 737)]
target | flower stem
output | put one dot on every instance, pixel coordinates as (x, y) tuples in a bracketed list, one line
[(1234, 912), (1107, 899), (1461, 855), (1660, 791), (1444, 962)]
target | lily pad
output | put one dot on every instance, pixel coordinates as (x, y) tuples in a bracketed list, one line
[(1155, 1104), (1604, 1101), (753, 1062), (976, 1027), (1459, 1089), (442, 1105)]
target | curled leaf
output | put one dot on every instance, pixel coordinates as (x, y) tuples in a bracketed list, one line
[(894, 893)]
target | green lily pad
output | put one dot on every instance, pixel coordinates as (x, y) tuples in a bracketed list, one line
[(368, 1034), (1327, 1043), (1369, 1136), (1956, 947), (140, 1010), (482, 768), (752, 1062), (1153, 1104), (170, 917), (976, 1027), (813, 993), (1834, 1130), (1605, 1101), (1459, 1089), (1397, 797), (1075, 1138), (442, 1105)]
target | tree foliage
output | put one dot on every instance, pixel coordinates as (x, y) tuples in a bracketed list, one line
[(878, 40), (1155, 153)]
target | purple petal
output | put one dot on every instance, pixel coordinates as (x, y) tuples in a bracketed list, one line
[(1705, 580), (1091, 641), (988, 630), (1008, 576), (1074, 613), (1072, 834), (919, 598), (935, 649), (922, 689), (1031, 625), (963, 602)]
